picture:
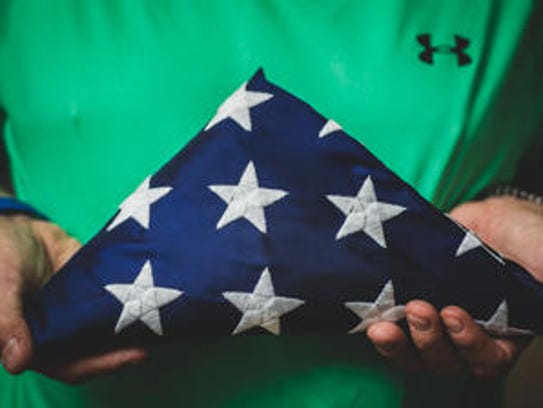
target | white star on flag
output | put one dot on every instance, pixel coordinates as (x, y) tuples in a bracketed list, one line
[(246, 199), (364, 213), (138, 204), (261, 307), (237, 107), (141, 300), (330, 126), (382, 309), (472, 241), (498, 324)]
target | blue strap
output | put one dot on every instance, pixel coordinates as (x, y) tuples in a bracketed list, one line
[(9, 205)]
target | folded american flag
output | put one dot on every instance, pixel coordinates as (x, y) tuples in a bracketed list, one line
[(272, 220)]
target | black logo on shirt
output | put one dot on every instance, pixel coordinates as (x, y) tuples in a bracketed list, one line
[(461, 44)]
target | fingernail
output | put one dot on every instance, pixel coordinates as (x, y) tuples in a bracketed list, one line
[(453, 324), (9, 353), (419, 323)]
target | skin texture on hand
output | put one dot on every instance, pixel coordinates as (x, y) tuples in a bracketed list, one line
[(449, 341), (30, 252)]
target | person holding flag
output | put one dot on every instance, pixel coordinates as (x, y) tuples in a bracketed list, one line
[(84, 85)]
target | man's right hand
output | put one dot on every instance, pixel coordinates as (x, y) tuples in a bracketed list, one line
[(30, 252)]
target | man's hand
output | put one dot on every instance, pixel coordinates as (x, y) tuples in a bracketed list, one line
[(449, 341), (30, 252)]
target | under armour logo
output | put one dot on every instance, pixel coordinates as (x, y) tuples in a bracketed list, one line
[(427, 55)]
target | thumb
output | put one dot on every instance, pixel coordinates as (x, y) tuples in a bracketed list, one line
[(52, 248), (15, 338)]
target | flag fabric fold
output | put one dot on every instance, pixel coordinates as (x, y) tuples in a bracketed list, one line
[(272, 220)]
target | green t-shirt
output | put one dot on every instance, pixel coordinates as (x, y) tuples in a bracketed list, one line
[(99, 94)]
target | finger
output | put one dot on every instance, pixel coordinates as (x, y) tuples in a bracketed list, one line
[(485, 356), (429, 339), (86, 368), (15, 339), (391, 342)]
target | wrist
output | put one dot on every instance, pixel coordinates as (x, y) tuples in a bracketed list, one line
[(12, 206)]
